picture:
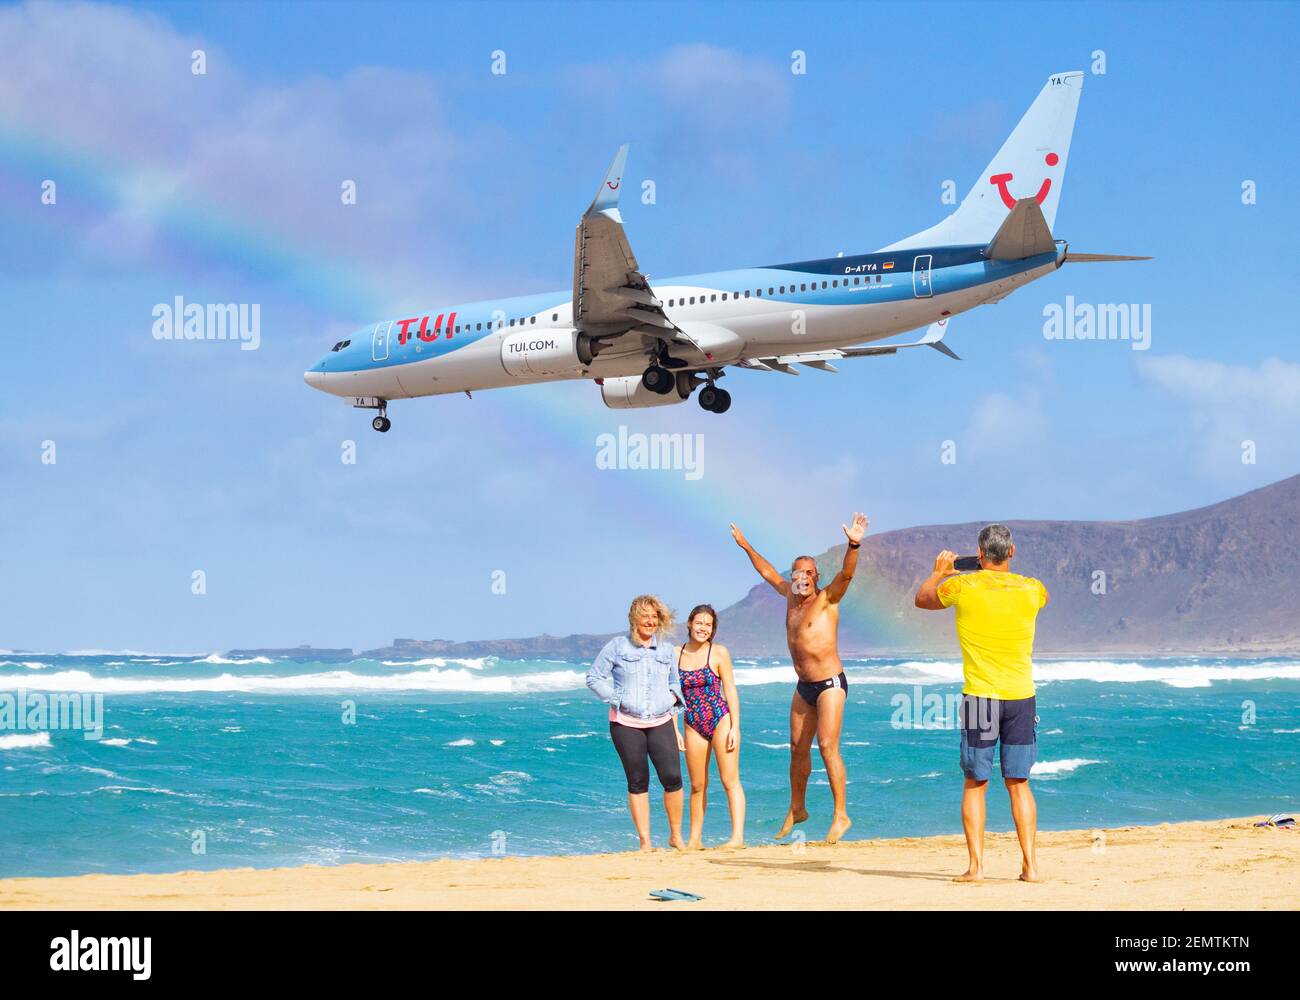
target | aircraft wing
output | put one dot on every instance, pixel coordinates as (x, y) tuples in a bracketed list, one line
[(822, 359), (610, 294)]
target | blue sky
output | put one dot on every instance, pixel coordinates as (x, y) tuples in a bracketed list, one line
[(177, 457)]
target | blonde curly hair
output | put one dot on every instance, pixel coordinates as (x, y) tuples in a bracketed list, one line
[(667, 621)]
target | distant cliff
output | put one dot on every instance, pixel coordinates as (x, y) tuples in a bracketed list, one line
[(537, 647), (294, 653), (1220, 579)]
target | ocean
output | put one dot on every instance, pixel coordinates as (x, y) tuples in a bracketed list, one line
[(205, 762)]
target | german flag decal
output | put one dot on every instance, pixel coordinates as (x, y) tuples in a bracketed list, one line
[(887, 265)]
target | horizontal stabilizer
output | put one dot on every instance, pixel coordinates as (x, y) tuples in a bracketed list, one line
[(1023, 234), (1088, 258)]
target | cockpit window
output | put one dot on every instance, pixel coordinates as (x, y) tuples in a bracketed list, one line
[(340, 345)]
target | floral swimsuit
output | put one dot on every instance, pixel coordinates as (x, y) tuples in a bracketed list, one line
[(705, 705)]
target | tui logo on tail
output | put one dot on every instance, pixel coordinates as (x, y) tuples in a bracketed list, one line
[(1000, 180)]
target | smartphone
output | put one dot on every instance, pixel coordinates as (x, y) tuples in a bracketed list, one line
[(966, 564)]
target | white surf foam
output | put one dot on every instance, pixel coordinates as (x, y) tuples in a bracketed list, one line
[(1194, 674), (25, 741), (468, 676), (458, 680), (1051, 767), (474, 663), (29, 664)]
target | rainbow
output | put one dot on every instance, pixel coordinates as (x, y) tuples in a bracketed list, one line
[(544, 419)]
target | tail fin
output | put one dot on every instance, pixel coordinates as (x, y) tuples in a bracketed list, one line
[(1030, 163)]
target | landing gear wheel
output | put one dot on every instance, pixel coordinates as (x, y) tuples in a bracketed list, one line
[(381, 424), (715, 400), (658, 380)]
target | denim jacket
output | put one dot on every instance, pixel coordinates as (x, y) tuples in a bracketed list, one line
[(640, 681)]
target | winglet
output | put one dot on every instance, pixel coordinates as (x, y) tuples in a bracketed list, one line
[(934, 338), (611, 186)]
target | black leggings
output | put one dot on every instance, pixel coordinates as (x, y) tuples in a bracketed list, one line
[(659, 744)]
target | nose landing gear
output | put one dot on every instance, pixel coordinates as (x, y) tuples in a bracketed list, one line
[(381, 423)]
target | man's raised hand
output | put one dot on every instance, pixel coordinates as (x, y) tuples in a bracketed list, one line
[(943, 563), (855, 532), (739, 536)]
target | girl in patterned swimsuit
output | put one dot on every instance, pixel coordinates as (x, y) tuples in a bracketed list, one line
[(712, 722)]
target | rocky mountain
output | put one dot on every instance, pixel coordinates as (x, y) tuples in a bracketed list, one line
[(1220, 579)]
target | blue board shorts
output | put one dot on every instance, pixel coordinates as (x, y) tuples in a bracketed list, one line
[(991, 723)]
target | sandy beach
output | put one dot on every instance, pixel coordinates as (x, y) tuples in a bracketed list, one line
[(1221, 864)]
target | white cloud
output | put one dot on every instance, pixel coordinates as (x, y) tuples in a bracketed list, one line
[(1271, 388), (1231, 404), (107, 94)]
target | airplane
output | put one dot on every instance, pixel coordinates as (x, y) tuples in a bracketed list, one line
[(654, 343)]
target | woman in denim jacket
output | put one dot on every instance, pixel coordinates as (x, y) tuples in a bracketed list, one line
[(636, 675)]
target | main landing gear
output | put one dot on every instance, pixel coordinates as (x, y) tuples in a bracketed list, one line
[(715, 400), (658, 380)]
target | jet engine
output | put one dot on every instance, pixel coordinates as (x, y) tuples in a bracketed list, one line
[(627, 393), (534, 353)]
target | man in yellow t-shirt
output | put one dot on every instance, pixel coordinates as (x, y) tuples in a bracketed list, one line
[(996, 612)]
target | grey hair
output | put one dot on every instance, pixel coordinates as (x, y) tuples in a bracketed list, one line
[(995, 543)]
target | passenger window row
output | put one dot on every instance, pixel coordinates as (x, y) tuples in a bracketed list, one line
[(772, 290)]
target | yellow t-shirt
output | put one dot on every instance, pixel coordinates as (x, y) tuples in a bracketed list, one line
[(995, 626)]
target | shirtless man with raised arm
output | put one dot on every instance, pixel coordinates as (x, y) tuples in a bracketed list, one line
[(812, 620)]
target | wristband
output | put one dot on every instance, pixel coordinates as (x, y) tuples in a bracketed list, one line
[(855, 545)]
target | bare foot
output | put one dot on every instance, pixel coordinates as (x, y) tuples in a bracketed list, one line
[(839, 826), (970, 875), (791, 818), (646, 847), (735, 842), (694, 845), (676, 843), (1028, 874)]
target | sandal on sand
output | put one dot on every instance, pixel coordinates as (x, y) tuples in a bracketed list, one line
[(674, 895), (1279, 820)]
